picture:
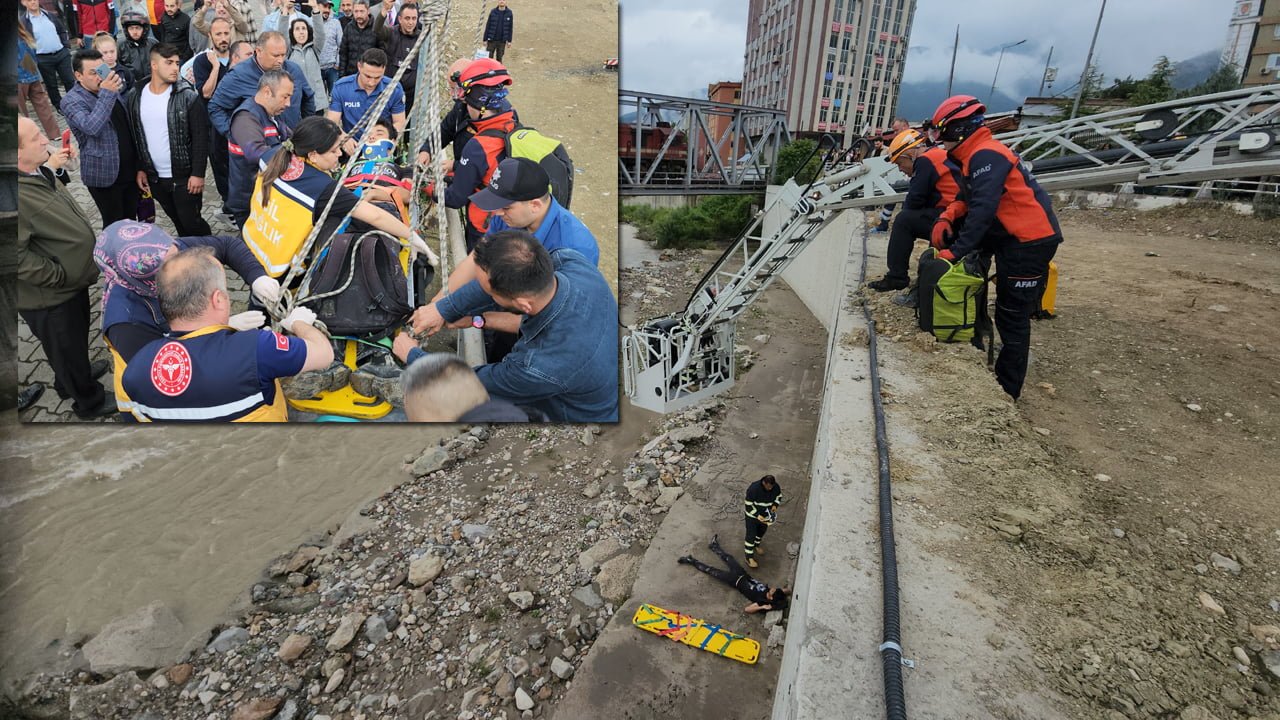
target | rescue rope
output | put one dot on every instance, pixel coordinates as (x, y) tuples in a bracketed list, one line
[(431, 12), (484, 20), (425, 118)]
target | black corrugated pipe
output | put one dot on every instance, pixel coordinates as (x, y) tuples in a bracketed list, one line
[(895, 701)]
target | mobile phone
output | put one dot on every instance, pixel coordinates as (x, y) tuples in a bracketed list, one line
[(66, 139), (103, 71)]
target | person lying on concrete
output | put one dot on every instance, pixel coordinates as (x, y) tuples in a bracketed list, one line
[(932, 193), (441, 387), (565, 363), (762, 596), (206, 370), (130, 253), (762, 500), (519, 196)]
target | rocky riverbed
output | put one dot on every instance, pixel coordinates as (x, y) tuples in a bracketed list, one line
[(472, 590)]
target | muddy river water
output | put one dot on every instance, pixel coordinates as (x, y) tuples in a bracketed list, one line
[(97, 521)]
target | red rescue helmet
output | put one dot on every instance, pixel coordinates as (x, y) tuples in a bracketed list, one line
[(957, 117), (484, 72)]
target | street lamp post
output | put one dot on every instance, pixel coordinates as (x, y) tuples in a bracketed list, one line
[(991, 95), (1088, 60)]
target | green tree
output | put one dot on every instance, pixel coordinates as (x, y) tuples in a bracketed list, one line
[(789, 159), (1224, 79), (1156, 88)]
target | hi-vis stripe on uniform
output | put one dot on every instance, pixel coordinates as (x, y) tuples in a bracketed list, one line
[(145, 413), (276, 232)]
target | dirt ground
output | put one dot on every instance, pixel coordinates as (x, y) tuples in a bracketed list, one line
[(1125, 510)]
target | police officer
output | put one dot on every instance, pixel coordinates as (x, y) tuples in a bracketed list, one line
[(1007, 214), (761, 505), (935, 183), (205, 370)]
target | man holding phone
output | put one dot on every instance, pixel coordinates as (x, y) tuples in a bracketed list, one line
[(96, 116)]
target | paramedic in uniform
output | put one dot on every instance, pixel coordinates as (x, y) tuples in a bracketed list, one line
[(205, 370), (293, 190), (1008, 214), (130, 253)]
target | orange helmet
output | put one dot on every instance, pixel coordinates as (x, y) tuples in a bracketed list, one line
[(484, 72), (904, 141), (958, 116)]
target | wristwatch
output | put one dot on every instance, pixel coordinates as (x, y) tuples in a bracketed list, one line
[(477, 321)]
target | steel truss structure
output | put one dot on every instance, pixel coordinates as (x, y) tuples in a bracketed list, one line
[(676, 360), (684, 146)]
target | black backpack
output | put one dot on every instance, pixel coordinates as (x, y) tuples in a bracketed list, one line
[(363, 290), (524, 141)]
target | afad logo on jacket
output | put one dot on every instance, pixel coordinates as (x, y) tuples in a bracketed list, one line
[(171, 369)]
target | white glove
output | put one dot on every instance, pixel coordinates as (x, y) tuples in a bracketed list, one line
[(249, 320), (418, 246), (299, 314), (266, 289)]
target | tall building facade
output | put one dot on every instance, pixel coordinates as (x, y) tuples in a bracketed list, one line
[(1253, 41), (834, 66)]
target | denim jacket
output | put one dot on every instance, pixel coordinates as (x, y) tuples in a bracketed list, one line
[(565, 362)]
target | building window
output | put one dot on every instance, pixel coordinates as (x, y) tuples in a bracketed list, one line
[(1275, 31), (1273, 61)]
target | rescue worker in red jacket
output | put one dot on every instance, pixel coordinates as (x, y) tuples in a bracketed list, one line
[(934, 187), (1007, 214), (484, 83)]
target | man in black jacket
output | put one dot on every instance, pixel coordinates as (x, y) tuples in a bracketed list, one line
[(498, 30), (171, 132), (763, 598), (174, 29), (396, 40), (357, 37), (761, 504)]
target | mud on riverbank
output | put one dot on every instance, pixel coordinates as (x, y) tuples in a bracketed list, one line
[(462, 591)]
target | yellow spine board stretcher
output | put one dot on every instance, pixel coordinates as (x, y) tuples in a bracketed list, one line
[(696, 633)]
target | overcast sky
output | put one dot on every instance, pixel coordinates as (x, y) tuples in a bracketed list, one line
[(678, 47)]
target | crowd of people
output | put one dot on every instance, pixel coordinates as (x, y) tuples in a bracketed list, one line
[(270, 101)]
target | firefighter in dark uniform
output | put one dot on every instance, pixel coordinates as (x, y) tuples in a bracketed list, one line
[(763, 496), (1007, 214), (934, 187)]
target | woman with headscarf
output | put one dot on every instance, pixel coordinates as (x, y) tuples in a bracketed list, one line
[(129, 254)]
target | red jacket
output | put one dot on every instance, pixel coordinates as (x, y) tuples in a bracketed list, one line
[(90, 17), (1005, 204)]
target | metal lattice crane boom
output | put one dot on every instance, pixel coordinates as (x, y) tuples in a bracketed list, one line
[(676, 360)]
